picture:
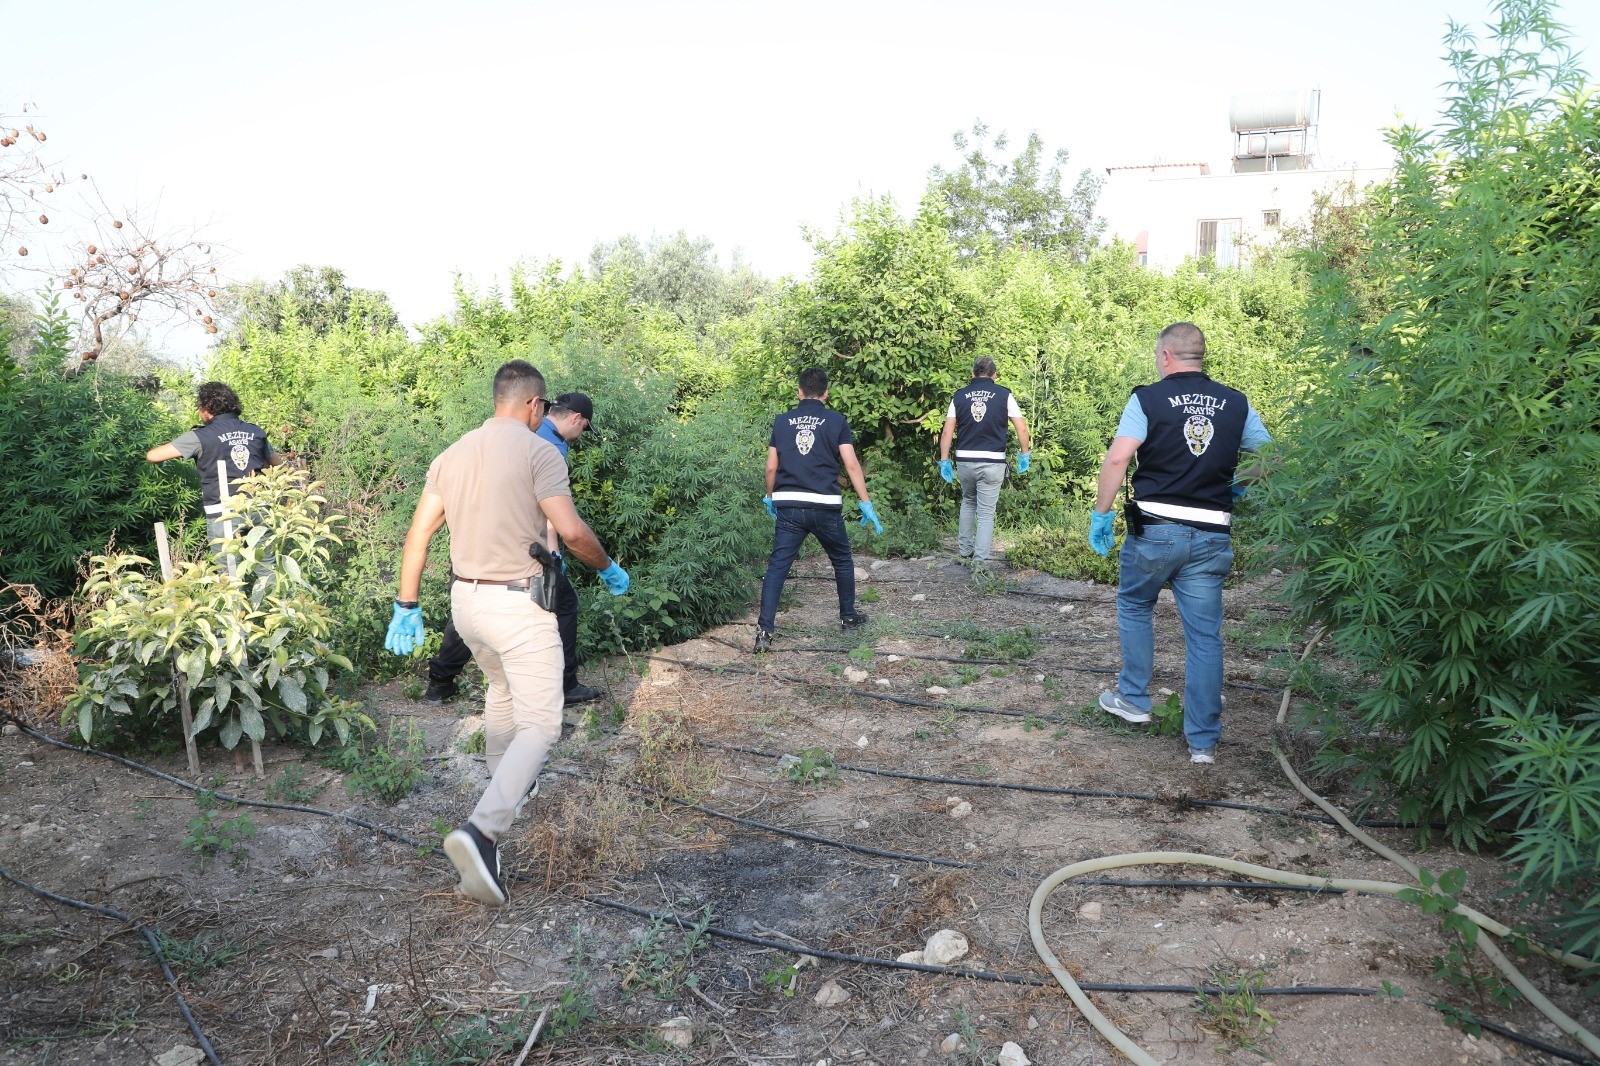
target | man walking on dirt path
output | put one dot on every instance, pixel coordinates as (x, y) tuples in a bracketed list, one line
[(1187, 431), (499, 489), (804, 453), (224, 436), (570, 415), (979, 431)]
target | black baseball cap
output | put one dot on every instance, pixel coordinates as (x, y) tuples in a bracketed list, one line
[(577, 401)]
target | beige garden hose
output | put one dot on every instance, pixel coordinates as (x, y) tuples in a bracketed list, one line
[(1490, 928)]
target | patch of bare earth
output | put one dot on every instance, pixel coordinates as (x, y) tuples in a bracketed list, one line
[(316, 941)]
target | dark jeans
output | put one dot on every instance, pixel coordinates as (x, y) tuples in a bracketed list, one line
[(454, 655), (793, 526)]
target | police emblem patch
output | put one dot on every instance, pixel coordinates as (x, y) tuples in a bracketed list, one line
[(979, 409), (240, 456), (1197, 433), (804, 440)]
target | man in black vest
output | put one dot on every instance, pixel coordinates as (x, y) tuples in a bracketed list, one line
[(804, 453), (221, 435), (1187, 431), (977, 420)]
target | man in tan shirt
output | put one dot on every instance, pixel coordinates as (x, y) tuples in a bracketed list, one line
[(499, 488)]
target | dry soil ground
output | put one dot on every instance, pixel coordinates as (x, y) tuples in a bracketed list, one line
[(316, 941)]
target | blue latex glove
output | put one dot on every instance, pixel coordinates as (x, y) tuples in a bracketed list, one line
[(1024, 461), (869, 515), (772, 508), (405, 630), (1101, 538), (1239, 490), (616, 579), (947, 470)]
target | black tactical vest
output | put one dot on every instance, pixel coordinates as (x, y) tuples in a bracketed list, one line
[(240, 445), (1190, 450), (981, 422), (808, 439)]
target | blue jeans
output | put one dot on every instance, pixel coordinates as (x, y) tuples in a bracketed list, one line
[(1194, 563), (793, 526)]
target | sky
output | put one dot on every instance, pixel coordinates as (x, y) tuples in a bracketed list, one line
[(406, 142)]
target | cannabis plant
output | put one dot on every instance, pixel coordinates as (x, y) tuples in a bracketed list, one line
[(1440, 497)]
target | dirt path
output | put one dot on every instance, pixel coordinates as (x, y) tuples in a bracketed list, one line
[(314, 941)]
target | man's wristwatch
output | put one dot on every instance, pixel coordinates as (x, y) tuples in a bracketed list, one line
[(408, 605)]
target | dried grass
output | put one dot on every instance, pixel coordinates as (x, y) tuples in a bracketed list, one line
[(592, 831), (37, 669)]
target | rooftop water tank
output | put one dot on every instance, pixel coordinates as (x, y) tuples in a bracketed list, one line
[(1270, 111)]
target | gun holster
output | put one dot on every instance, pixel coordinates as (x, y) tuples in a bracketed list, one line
[(1133, 517), (542, 589)]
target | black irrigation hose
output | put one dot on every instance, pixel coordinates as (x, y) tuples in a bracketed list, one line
[(728, 934), (797, 834), (902, 654), (150, 936), (1020, 979), (1058, 790), (1009, 712), (224, 796)]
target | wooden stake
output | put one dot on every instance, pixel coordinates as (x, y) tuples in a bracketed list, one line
[(180, 682), (233, 572)]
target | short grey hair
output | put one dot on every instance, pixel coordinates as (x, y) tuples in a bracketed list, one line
[(1184, 340), (983, 368)]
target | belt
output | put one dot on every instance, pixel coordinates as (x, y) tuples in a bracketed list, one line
[(514, 585)]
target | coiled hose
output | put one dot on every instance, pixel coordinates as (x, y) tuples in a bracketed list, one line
[(1490, 928)]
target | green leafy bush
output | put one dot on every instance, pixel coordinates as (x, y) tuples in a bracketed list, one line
[(1441, 500), (1064, 551), (74, 478), (251, 649)]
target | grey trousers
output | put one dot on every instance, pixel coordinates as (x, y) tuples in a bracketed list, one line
[(980, 491), (518, 648)]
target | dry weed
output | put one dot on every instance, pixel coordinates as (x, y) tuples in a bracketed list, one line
[(592, 831), (669, 757), (37, 668)]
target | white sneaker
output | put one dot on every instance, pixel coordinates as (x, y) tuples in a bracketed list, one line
[(1115, 704), (1203, 755)]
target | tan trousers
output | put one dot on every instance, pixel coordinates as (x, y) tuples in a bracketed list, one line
[(518, 648)]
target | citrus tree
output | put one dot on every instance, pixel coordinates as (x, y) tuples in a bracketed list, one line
[(251, 648)]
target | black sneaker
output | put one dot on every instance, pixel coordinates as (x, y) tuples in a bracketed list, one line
[(855, 621), (763, 641), (477, 860), (440, 692), (582, 694)]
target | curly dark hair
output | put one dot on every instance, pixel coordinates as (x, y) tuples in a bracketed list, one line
[(215, 399)]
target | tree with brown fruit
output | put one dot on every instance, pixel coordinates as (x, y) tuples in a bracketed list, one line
[(124, 271)]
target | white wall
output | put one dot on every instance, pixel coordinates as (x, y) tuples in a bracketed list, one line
[(1168, 203)]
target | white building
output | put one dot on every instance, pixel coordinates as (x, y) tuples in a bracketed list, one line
[(1172, 211)]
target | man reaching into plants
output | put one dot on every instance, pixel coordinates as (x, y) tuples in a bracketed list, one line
[(975, 423), (1187, 431), (804, 453), (499, 489), (224, 436), (572, 413)]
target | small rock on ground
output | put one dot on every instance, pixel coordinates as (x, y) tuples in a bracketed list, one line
[(181, 1055), (944, 947), (1012, 1055), (676, 1032), (832, 994)]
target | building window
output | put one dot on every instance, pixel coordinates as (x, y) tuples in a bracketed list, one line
[(1217, 239), (1269, 219)]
